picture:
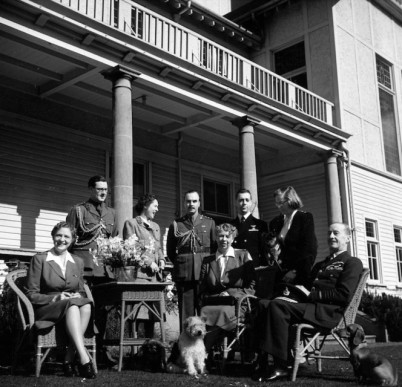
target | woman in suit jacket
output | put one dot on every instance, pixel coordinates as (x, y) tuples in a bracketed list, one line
[(294, 230), (147, 231), (226, 276), (55, 287)]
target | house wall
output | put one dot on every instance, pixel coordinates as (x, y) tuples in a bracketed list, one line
[(378, 198), (361, 31)]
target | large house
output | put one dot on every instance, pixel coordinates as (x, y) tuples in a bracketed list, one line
[(164, 96)]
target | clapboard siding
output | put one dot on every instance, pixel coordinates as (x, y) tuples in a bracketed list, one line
[(379, 199), (42, 177), (309, 183), (164, 186)]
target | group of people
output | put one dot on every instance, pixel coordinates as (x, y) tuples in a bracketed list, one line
[(212, 267)]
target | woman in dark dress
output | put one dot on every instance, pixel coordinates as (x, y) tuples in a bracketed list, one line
[(226, 276), (55, 287), (294, 230)]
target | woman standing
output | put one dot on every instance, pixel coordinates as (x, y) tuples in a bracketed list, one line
[(149, 234), (294, 230), (55, 287)]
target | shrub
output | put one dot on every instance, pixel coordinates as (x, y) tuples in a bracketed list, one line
[(387, 310)]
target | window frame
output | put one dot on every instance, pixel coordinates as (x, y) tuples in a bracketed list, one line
[(398, 252), (374, 242), (390, 90)]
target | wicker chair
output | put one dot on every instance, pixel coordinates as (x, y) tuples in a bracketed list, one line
[(309, 341), (236, 339), (45, 339)]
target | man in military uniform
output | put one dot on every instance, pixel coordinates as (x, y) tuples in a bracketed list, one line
[(92, 219), (190, 239), (250, 229)]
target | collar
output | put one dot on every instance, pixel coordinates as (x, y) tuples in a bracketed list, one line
[(334, 255), (146, 223), (53, 257), (230, 253), (243, 216), (290, 217)]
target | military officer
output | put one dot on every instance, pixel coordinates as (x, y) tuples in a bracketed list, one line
[(92, 219), (250, 229), (190, 239)]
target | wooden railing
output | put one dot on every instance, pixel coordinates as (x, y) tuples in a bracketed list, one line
[(169, 36)]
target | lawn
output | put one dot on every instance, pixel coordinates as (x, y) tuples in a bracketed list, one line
[(335, 373)]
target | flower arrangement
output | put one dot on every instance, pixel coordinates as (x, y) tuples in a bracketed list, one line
[(117, 252)]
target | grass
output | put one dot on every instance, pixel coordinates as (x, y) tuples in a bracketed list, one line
[(335, 373)]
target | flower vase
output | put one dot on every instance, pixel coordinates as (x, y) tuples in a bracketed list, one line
[(125, 274)]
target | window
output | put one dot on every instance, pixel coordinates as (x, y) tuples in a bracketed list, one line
[(372, 248), (290, 63), (398, 250), (388, 121), (216, 197)]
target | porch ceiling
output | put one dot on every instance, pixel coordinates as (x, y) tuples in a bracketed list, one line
[(35, 64)]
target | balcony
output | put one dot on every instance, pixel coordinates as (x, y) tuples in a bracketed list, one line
[(170, 37)]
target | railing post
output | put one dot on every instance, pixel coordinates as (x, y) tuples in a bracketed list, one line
[(329, 118), (292, 95), (246, 68)]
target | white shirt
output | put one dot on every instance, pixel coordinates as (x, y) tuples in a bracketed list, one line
[(61, 262), (223, 259)]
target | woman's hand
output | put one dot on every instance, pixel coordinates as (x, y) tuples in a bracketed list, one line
[(154, 267), (223, 294), (65, 296), (289, 276)]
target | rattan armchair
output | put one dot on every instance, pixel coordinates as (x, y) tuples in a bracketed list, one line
[(309, 341), (44, 339)]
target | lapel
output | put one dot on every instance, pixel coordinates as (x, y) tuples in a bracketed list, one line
[(197, 221), (71, 270), (231, 264), (56, 268), (216, 269), (92, 210)]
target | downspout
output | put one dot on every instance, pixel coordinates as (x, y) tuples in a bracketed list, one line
[(347, 166), (177, 15)]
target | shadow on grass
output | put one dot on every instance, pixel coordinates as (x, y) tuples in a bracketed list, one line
[(335, 373)]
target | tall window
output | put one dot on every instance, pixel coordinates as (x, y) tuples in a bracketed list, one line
[(216, 197), (372, 249), (388, 122), (398, 250), (290, 63)]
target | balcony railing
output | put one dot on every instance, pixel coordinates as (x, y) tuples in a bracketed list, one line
[(169, 36)]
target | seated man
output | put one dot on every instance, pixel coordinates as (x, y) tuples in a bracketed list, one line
[(332, 285)]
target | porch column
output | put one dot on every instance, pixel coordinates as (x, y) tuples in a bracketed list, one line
[(333, 189), (122, 143), (248, 170)]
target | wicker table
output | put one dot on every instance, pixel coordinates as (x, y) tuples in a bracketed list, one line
[(133, 294)]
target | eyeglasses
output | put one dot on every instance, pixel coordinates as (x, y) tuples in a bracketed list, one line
[(101, 189)]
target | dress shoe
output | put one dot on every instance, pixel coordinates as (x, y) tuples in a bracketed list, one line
[(68, 369), (87, 371), (277, 373)]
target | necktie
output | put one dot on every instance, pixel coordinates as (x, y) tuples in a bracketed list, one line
[(243, 219)]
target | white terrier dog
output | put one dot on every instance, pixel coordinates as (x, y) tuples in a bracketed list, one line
[(188, 353)]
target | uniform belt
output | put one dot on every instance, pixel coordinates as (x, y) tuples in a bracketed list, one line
[(188, 250)]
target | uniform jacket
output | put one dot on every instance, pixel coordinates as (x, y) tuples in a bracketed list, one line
[(146, 233), (188, 244), (299, 249), (45, 279), (238, 279), (250, 238), (333, 284), (86, 220)]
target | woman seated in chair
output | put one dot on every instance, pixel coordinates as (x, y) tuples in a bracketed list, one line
[(55, 287), (226, 276)]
